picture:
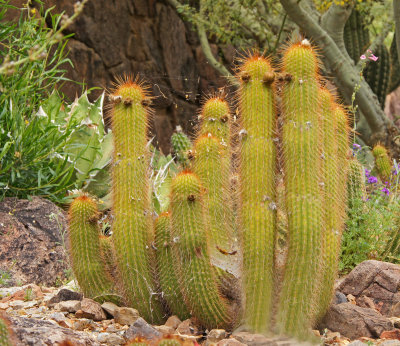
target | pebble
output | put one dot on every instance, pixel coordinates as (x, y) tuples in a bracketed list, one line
[(109, 308), (57, 316), (110, 339), (125, 315), (3, 306), (173, 321), (69, 306), (16, 304)]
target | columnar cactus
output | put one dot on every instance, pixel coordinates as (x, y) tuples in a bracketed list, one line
[(302, 152), (257, 185), (197, 276), (356, 188), (382, 162), (87, 263), (132, 226), (166, 265), (180, 145), (192, 245)]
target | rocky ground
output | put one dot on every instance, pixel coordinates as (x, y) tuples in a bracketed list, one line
[(366, 309)]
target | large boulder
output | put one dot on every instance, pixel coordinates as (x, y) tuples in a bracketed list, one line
[(31, 242), (376, 285), (354, 321)]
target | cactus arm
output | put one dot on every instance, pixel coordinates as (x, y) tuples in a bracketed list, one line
[(132, 223), (257, 185), (167, 265), (382, 162), (197, 277), (84, 250)]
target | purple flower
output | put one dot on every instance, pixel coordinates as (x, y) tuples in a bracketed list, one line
[(372, 179), (367, 172), (386, 191), (363, 57), (356, 146)]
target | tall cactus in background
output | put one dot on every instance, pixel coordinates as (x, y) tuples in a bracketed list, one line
[(382, 162), (197, 276), (302, 171), (257, 185), (87, 263), (356, 188), (132, 226)]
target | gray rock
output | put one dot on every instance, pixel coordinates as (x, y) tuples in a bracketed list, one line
[(340, 298), (353, 321), (64, 295), (216, 335), (69, 306), (30, 241), (110, 339), (109, 308), (123, 315), (57, 316), (33, 332), (187, 327), (140, 328), (261, 340), (356, 343)]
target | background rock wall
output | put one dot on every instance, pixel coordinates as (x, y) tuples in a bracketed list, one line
[(127, 37)]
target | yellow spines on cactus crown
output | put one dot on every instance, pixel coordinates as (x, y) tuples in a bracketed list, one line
[(215, 119), (257, 170), (84, 250), (168, 266), (197, 277), (132, 225), (301, 144), (382, 162)]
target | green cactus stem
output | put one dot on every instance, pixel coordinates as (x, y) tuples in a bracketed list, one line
[(334, 166), (84, 251), (181, 144), (197, 277), (212, 166), (382, 162), (356, 35), (356, 189), (302, 173), (257, 185), (108, 256), (132, 226), (377, 73), (166, 264), (394, 80)]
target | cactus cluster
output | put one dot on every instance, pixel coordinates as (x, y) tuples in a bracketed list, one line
[(213, 254)]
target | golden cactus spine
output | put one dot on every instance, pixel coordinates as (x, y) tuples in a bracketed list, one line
[(132, 225), (257, 185)]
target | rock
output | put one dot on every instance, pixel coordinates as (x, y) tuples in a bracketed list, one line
[(165, 329), (69, 306), (27, 292), (109, 308), (17, 304), (3, 306), (42, 333), (379, 281), (140, 328), (229, 342), (353, 321), (187, 327), (173, 321), (83, 323), (391, 334), (64, 295), (261, 340), (91, 309), (390, 343), (216, 335), (123, 315), (57, 316), (30, 241), (395, 321), (110, 339), (340, 298), (356, 343)]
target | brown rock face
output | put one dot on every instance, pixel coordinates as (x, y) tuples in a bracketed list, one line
[(353, 321), (144, 37), (30, 241), (375, 282)]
